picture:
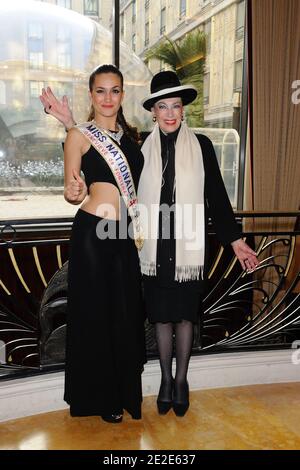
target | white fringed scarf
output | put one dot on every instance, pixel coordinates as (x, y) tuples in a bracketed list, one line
[(189, 208)]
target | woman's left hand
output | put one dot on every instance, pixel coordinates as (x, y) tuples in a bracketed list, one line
[(245, 254)]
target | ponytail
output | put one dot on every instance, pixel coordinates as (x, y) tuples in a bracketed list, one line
[(129, 130), (91, 114)]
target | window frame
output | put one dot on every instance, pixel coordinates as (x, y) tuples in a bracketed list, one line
[(240, 28), (89, 11), (64, 6), (182, 9), (163, 17), (38, 36), (133, 42)]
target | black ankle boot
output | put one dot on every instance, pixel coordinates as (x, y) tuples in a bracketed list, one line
[(114, 418), (181, 407)]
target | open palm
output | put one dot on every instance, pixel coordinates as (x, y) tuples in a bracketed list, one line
[(59, 109)]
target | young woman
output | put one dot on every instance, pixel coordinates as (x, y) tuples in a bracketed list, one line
[(105, 335)]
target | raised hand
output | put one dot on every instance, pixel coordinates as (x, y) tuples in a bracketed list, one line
[(76, 189), (245, 254), (58, 109)]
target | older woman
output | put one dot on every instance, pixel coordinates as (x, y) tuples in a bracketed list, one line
[(179, 183)]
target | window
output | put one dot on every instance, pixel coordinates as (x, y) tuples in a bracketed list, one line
[(147, 33), (133, 42), (240, 19), (122, 23), (133, 11), (35, 46), (64, 55), (63, 34), (2, 93), (47, 46), (35, 88), (206, 79), (35, 31), (63, 88), (163, 20), (64, 3), (63, 47), (238, 75), (36, 60), (91, 7), (182, 9), (207, 30), (64, 60)]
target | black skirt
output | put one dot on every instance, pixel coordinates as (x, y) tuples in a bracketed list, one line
[(105, 349), (167, 300), (181, 301)]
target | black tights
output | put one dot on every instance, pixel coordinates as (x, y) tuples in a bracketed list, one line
[(183, 333)]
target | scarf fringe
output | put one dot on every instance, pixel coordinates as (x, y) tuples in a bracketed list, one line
[(188, 273), (147, 268), (182, 273)]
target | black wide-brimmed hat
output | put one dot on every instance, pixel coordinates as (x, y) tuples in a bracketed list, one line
[(167, 85)]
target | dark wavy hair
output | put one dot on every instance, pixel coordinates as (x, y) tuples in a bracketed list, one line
[(131, 131)]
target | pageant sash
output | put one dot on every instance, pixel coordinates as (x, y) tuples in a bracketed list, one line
[(119, 167)]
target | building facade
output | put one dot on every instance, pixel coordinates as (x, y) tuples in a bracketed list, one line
[(145, 23)]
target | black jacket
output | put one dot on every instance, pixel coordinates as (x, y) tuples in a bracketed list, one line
[(217, 207)]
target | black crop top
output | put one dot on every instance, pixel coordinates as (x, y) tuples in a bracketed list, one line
[(95, 168)]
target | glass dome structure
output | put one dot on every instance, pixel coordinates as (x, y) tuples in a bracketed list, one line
[(46, 45), (227, 147)]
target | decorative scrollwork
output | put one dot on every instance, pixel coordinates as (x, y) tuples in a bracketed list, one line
[(240, 309)]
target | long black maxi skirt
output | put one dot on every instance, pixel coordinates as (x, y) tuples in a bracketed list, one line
[(105, 348)]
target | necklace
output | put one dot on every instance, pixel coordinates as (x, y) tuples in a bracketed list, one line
[(115, 135)]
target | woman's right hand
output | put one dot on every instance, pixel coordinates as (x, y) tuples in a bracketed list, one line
[(76, 189), (58, 109)]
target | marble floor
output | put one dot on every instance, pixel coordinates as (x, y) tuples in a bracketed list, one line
[(251, 417)]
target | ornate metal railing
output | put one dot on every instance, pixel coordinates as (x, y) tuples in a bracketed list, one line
[(240, 310)]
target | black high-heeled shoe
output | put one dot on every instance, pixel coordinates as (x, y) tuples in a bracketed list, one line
[(113, 418), (163, 406), (180, 408)]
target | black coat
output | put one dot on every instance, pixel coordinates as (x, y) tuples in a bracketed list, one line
[(217, 207)]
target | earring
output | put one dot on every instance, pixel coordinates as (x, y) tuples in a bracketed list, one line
[(182, 117), (154, 119)]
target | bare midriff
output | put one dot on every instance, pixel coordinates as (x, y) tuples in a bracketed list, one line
[(103, 201)]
